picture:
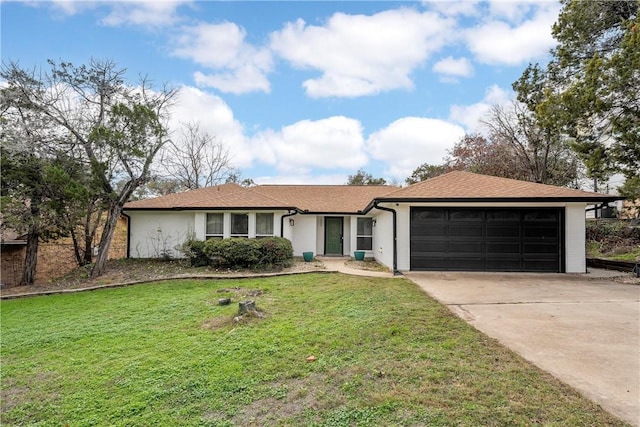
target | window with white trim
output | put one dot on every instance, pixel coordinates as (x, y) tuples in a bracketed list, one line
[(365, 234), (239, 225), (264, 225), (215, 226)]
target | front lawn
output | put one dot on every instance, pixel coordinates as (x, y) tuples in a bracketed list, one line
[(166, 354)]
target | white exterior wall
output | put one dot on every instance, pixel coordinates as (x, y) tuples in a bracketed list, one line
[(404, 230), (348, 234), (383, 238), (154, 233), (575, 238), (319, 235), (303, 234)]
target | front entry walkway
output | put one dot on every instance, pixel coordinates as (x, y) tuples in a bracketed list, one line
[(338, 264), (584, 330)]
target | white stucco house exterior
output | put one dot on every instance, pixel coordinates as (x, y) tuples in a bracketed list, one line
[(458, 221)]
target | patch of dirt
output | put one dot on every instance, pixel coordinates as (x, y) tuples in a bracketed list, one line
[(627, 280), (291, 398), (367, 264), (144, 270), (242, 292)]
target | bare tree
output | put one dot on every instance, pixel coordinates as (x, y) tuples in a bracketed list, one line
[(194, 159), (542, 154)]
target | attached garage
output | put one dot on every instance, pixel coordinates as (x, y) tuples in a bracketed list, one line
[(486, 239)]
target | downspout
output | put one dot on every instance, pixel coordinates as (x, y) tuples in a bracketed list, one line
[(128, 233), (395, 237), (282, 221)]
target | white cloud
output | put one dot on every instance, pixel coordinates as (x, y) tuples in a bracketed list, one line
[(146, 13), (470, 116), (408, 142), (214, 117), (452, 67), (241, 67), (454, 7), (498, 42), (334, 142), (362, 55)]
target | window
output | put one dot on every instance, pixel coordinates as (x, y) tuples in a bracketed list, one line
[(264, 224), (365, 234), (239, 225), (215, 223)]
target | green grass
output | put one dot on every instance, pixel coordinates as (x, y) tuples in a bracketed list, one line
[(623, 253), (166, 354)]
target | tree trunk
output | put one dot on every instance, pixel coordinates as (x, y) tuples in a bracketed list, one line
[(246, 307), (105, 241), (31, 257)]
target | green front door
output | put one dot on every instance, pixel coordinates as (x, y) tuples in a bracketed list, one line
[(333, 235)]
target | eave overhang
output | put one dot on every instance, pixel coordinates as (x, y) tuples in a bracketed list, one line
[(479, 200)]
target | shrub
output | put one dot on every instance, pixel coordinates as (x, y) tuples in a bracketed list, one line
[(249, 253), (194, 250), (275, 251), (600, 230), (234, 252)]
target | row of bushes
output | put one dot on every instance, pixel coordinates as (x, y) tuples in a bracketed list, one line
[(239, 252)]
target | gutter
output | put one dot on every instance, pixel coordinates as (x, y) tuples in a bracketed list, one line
[(588, 200), (395, 233)]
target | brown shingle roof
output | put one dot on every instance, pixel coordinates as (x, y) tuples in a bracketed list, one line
[(224, 196), (453, 186), (467, 185), (326, 198)]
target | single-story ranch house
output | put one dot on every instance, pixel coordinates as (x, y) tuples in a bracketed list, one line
[(458, 221)]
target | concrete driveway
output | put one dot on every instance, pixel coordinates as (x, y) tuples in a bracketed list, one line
[(582, 329)]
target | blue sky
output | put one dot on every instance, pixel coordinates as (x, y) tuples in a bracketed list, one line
[(305, 92)]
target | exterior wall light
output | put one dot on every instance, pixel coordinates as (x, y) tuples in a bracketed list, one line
[(373, 222), (291, 222)]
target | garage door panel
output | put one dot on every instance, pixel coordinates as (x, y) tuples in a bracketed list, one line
[(465, 230), (540, 265), (503, 264), (466, 247), (429, 246), (503, 216), (502, 231), (541, 232), (503, 247), (466, 215), (486, 239), (431, 230), (466, 264), (432, 263), (429, 215), (540, 248)]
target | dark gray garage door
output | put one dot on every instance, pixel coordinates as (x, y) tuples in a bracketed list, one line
[(487, 239)]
